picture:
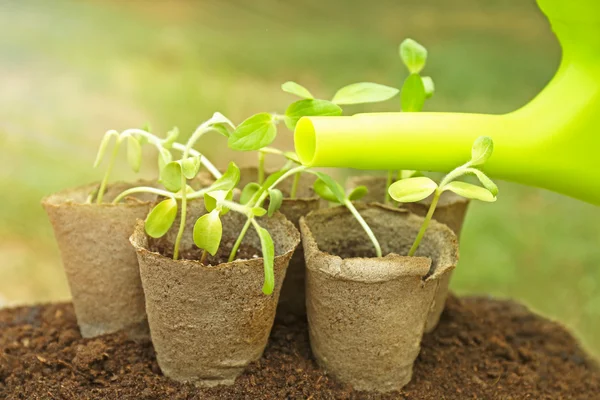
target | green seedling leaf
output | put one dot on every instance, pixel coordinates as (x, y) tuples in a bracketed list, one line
[(221, 124), (309, 107), (485, 181), (482, 150), (297, 90), (172, 136), (254, 133), (268, 253), (258, 211), (290, 155), (364, 92), (470, 191), (358, 193), (328, 189), (213, 200), (413, 55), (161, 218), (429, 86), (408, 173), (208, 231), (190, 167), (248, 192), (229, 179), (271, 179), (134, 153), (412, 98), (104, 144), (275, 201), (412, 189), (164, 157), (170, 176)]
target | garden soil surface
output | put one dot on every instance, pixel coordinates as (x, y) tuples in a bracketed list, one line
[(482, 349)]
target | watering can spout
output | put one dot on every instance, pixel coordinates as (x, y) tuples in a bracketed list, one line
[(553, 142)]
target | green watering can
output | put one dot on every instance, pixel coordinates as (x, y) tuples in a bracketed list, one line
[(553, 142)]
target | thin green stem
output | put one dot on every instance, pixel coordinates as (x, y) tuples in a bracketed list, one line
[(388, 183), (214, 171), (204, 255), (143, 189), (239, 239), (261, 167), (428, 217), (365, 226), (295, 185), (111, 164), (183, 218)]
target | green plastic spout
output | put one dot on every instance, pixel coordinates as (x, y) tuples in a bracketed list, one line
[(553, 142)]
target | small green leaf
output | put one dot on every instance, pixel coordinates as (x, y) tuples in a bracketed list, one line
[(213, 199), (268, 253), (485, 181), (134, 153), (364, 92), (271, 179), (414, 55), (104, 144), (190, 167), (229, 179), (309, 107), (147, 127), (258, 211), (328, 189), (482, 150), (220, 119), (408, 173), (358, 193), (170, 176), (172, 136), (254, 133), (412, 189), (164, 157), (296, 89), (208, 231), (160, 219), (470, 191), (275, 201), (222, 129), (429, 86), (248, 192), (412, 98)]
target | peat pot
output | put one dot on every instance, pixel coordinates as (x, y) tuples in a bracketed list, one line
[(451, 210), (208, 322), (367, 315), (100, 264), (292, 300)]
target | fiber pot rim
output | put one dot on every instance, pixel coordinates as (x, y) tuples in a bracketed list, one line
[(139, 241), (378, 269), (65, 197)]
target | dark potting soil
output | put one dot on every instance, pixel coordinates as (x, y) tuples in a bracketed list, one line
[(482, 349), (245, 252)]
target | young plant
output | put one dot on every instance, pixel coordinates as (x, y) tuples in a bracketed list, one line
[(416, 89), (418, 188), (328, 189)]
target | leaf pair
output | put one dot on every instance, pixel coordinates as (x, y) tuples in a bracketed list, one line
[(134, 149), (328, 189), (173, 173), (416, 189), (416, 89)]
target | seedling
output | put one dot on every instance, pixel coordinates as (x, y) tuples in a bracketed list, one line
[(260, 130), (415, 90), (418, 188), (328, 189)]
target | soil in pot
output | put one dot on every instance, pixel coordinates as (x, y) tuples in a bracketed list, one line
[(482, 349), (100, 264), (366, 314), (292, 300), (208, 322), (451, 210)]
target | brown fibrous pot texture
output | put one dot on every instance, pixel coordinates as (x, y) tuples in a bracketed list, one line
[(208, 322), (367, 315), (100, 264)]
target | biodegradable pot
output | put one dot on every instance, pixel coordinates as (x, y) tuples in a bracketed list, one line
[(292, 300), (451, 210), (208, 323), (100, 264), (367, 315)]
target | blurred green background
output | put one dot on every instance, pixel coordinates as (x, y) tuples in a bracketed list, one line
[(70, 70)]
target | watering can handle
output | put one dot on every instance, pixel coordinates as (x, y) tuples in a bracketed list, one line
[(553, 142)]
